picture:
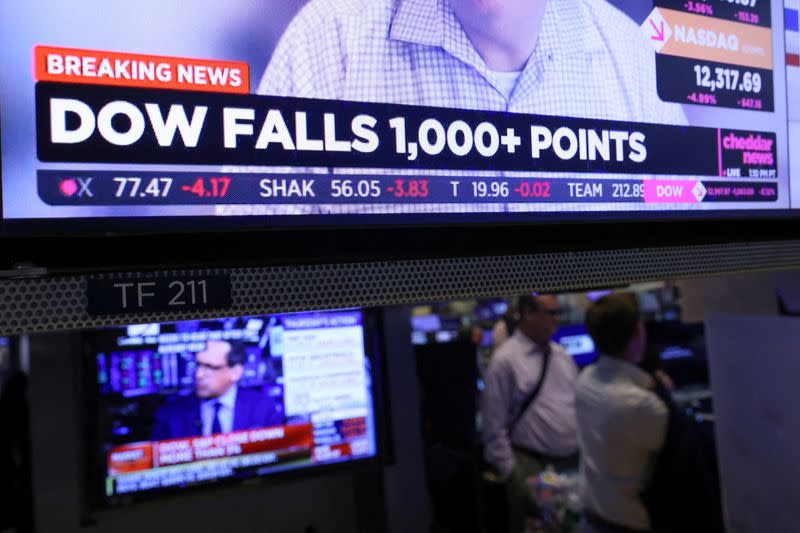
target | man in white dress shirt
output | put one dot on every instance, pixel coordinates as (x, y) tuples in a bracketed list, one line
[(622, 423)]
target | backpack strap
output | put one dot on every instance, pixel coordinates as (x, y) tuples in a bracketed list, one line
[(532, 395)]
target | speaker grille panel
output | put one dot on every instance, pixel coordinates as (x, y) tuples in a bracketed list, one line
[(57, 303)]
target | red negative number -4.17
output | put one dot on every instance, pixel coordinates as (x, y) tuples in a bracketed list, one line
[(216, 187)]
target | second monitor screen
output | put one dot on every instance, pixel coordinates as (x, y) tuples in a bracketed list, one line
[(192, 403)]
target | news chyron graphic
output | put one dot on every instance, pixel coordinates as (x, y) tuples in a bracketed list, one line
[(201, 402), (386, 107)]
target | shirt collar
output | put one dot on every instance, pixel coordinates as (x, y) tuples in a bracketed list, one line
[(567, 28), (626, 371), (528, 346), (418, 22), (227, 400)]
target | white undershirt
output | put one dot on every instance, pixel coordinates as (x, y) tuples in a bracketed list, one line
[(506, 81)]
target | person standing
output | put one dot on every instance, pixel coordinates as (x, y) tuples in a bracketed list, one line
[(528, 405), (622, 423)]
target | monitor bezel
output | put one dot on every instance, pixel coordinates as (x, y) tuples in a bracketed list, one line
[(298, 246)]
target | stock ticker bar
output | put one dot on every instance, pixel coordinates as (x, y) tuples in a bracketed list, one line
[(86, 188), (713, 52)]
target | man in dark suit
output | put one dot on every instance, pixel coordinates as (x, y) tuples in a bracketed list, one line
[(218, 405)]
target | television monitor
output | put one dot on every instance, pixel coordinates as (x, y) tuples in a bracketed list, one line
[(419, 338), (6, 364), (426, 323), (225, 115), (487, 338), (445, 336), (578, 343), (5, 359), (490, 310), (680, 350), (204, 402), (433, 328)]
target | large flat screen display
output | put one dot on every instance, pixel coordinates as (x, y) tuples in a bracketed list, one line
[(301, 110), (202, 402)]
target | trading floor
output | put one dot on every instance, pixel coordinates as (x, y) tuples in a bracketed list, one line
[(381, 419)]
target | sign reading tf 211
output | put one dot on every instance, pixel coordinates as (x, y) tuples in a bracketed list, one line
[(132, 295)]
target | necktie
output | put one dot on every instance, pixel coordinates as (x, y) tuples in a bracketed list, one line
[(216, 427)]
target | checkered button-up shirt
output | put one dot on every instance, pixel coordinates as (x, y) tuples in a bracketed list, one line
[(590, 61)]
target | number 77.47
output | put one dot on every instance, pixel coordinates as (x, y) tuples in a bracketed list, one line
[(132, 187)]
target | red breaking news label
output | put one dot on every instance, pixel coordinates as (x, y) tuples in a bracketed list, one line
[(130, 458), (148, 455), (95, 67)]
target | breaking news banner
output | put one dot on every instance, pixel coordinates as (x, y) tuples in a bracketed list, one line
[(94, 67), (105, 124), (147, 465), (145, 456)]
